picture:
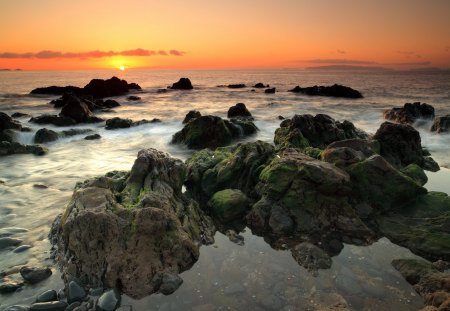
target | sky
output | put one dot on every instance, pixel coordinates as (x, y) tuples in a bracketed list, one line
[(208, 34)]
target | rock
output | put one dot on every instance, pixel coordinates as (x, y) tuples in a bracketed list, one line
[(125, 308), (316, 131), (182, 84), (76, 110), (259, 85), (99, 88), (22, 248), (441, 265), (138, 224), (133, 98), (416, 173), (209, 132), (234, 237), (228, 204), (311, 257), (236, 86), (49, 295), (400, 144), (239, 110), (314, 194), (108, 301), (233, 289), (74, 306), (49, 306), (410, 113), (234, 167), (6, 122), (70, 99), (74, 132), (193, 114), (17, 308), (270, 91), (335, 90), (169, 283), (75, 292), (93, 137), (9, 286), (45, 135), (119, 123), (441, 124), (8, 135), (16, 115), (57, 90), (110, 103), (35, 274), (53, 119), (421, 226), (7, 148), (6, 242)]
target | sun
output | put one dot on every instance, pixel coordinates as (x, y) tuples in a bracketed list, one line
[(122, 67)]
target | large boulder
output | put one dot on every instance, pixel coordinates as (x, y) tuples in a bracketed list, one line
[(212, 132), (133, 231), (233, 167), (410, 113), (316, 131), (111, 87), (335, 90), (9, 148), (299, 194), (6, 123), (76, 110), (401, 145), (239, 110), (182, 84), (228, 204), (441, 124), (45, 135), (193, 114)]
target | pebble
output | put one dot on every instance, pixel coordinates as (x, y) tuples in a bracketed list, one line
[(6, 242), (49, 306), (49, 295), (22, 248), (75, 292), (108, 301), (34, 275)]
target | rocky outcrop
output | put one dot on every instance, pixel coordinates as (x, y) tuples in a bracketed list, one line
[(193, 114), (335, 90), (400, 144), (133, 231), (45, 135), (410, 113), (182, 84), (236, 86), (228, 205), (430, 283), (316, 131), (212, 132), (97, 88), (7, 123), (441, 124), (76, 110), (9, 148), (239, 111), (119, 123)]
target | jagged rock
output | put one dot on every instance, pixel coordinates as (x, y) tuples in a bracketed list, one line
[(441, 124), (316, 131), (182, 84), (239, 110), (410, 113), (35, 274), (212, 132), (122, 230), (7, 148), (311, 257), (400, 144), (193, 114), (76, 110), (335, 90), (110, 87)]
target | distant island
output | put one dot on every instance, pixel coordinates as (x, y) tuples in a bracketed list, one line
[(348, 67), (6, 69)]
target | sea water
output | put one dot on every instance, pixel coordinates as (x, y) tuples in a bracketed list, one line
[(227, 276)]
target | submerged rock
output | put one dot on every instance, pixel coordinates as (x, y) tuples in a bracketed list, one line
[(119, 123), (316, 131), (182, 84), (441, 124), (138, 225), (6, 242), (93, 137), (237, 86), (335, 90), (311, 257), (410, 113), (53, 119)]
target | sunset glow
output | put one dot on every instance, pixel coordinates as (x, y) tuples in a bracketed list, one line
[(213, 34)]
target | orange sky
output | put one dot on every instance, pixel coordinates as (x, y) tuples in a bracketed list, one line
[(224, 34)]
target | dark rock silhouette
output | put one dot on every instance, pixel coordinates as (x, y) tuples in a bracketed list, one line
[(270, 91), (182, 84), (335, 90), (259, 86), (410, 113), (239, 110), (236, 86), (193, 114), (441, 124)]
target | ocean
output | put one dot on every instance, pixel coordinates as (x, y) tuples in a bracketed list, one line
[(227, 276)]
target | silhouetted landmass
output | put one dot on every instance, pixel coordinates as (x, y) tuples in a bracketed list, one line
[(348, 67), (336, 90)]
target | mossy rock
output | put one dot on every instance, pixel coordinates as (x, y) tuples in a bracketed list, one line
[(416, 173), (228, 204)]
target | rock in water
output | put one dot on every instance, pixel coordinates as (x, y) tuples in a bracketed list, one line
[(193, 114), (108, 301), (335, 90), (45, 135), (49, 306), (136, 224), (183, 84), (6, 122), (75, 292), (49, 295), (410, 113), (6, 242), (441, 124), (34, 274), (228, 204), (239, 110), (76, 110), (311, 257)]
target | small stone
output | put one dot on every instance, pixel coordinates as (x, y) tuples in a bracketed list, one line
[(8, 242), (108, 301), (49, 306), (61, 294), (75, 292), (133, 97), (93, 137), (49, 295), (34, 274), (21, 248), (40, 186), (170, 283)]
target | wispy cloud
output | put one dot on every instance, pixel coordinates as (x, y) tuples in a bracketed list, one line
[(47, 54), (409, 54), (338, 61), (341, 52), (424, 63)]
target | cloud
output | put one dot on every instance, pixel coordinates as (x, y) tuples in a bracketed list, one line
[(409, 54), (425, 63), (47, 54), (341, 52), (338, 61)]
